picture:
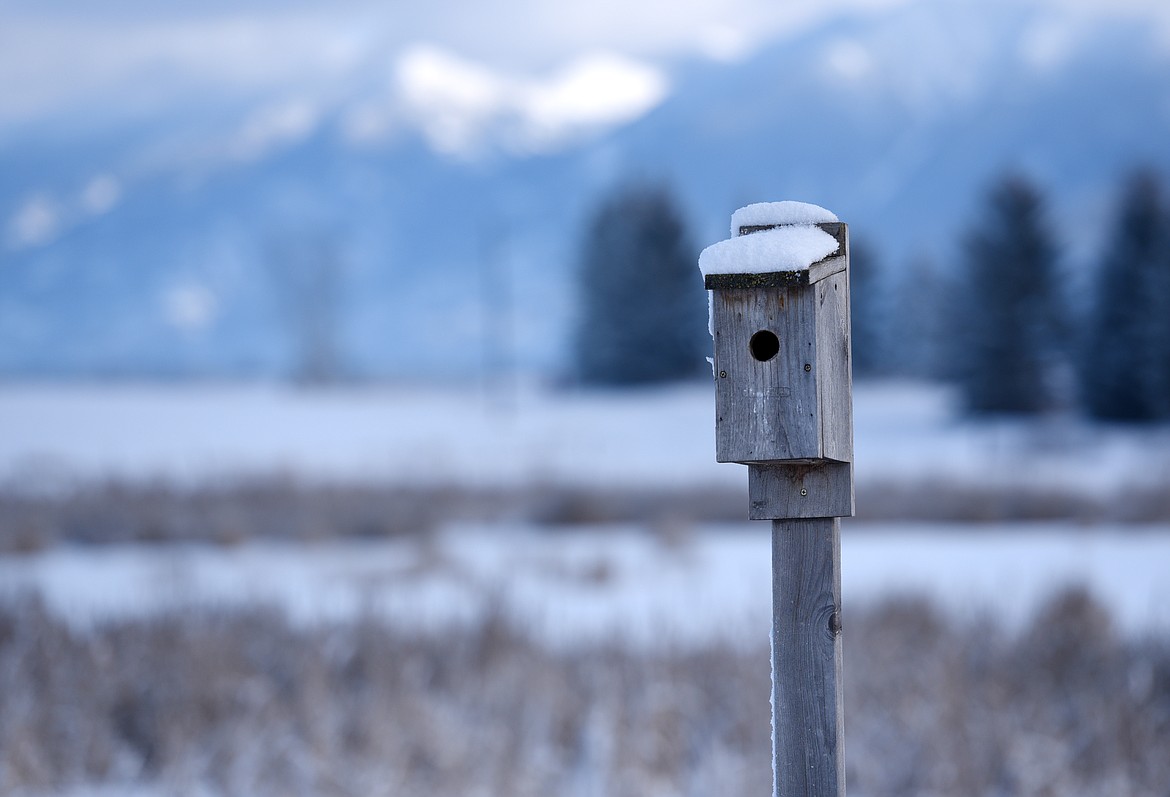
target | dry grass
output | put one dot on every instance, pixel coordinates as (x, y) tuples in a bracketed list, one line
[(941, 500), (245, 704), (290, 510)]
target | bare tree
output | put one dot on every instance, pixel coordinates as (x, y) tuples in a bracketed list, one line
[(306, 273)]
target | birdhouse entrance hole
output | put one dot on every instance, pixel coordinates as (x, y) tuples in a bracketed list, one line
[(764, 345)]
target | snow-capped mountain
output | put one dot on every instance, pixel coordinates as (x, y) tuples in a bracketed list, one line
[(158, 243)]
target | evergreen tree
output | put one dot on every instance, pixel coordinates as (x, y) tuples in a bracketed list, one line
[(867, 305), (919, 321), (643, 310), (1008, 335), (1125, 365)]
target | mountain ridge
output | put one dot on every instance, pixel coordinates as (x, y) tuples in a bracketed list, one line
[(847, 115)]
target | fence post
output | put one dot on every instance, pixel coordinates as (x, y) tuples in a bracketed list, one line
[(784, 407)]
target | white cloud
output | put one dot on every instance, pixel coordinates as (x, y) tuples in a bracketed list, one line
[(452, 98), (724, 43), (1046, 46), (1050, 44), (848, 59), (190, 307), (596, 90), (36, 222), (100, 195), (144, 62), (273, 125), (463, 106), (369, 122), (430, 76), (42, 218), (157, 56)]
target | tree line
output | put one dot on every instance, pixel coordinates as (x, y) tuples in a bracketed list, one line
[(1009, 324)]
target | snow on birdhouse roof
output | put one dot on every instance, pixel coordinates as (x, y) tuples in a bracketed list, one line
[(789, 248), (762, 214)]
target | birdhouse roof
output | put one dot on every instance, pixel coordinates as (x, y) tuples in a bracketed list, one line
[(774, 256)]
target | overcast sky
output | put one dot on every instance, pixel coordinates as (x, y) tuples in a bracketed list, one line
[(141, 55)]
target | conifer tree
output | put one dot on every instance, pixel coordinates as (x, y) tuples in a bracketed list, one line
[(1005, 346), (1124, 369), (643, 308), (919, 320), (867, 306)]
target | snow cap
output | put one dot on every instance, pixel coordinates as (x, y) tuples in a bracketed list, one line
[(791, 248), (793, 244), (788, 212)]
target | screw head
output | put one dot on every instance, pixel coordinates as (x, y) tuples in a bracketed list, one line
[(807, 367), (803, 491), (722, 374)]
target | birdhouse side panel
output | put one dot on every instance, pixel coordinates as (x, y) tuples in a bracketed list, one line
[(835, 381), (766, 396)]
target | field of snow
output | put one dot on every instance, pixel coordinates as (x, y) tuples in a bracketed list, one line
[(640, 666), (631, 581), (57, 435), (703, 587)]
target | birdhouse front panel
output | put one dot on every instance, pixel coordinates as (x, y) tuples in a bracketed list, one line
[(767, 397), (782, 373)]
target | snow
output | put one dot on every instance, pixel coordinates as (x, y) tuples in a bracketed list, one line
[(786, 212), (790, 248), (628, 583), (772, 699), (793, 246), (569, 586), (56, 437)]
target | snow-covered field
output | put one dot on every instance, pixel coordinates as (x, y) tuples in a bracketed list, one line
[(627, 580), (56, 436), (702, 587), (642, 654)]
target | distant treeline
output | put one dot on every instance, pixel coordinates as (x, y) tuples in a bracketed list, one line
[(1004, 323), (1012, 328)]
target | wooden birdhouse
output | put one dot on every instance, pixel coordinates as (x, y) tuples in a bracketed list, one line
[(783, 386)]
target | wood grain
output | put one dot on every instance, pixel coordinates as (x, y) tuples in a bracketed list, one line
[(807, 705), (800, 490), (835, 374), (766, 410)]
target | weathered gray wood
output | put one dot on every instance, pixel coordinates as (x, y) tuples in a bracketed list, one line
[(807, 705), (825, 268), (818, 489), (765, 411), (789, 417), (797, 405), (835, 375), (777, 279)]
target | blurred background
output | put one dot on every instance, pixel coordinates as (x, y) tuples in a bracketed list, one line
[(356, 435)]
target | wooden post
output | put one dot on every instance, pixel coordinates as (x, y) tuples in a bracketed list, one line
[(807, 711), (784, 407)]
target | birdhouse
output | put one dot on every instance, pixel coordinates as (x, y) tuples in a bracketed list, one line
[(783, 388)]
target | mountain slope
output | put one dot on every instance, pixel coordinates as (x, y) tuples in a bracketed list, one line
[(446, 266)]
